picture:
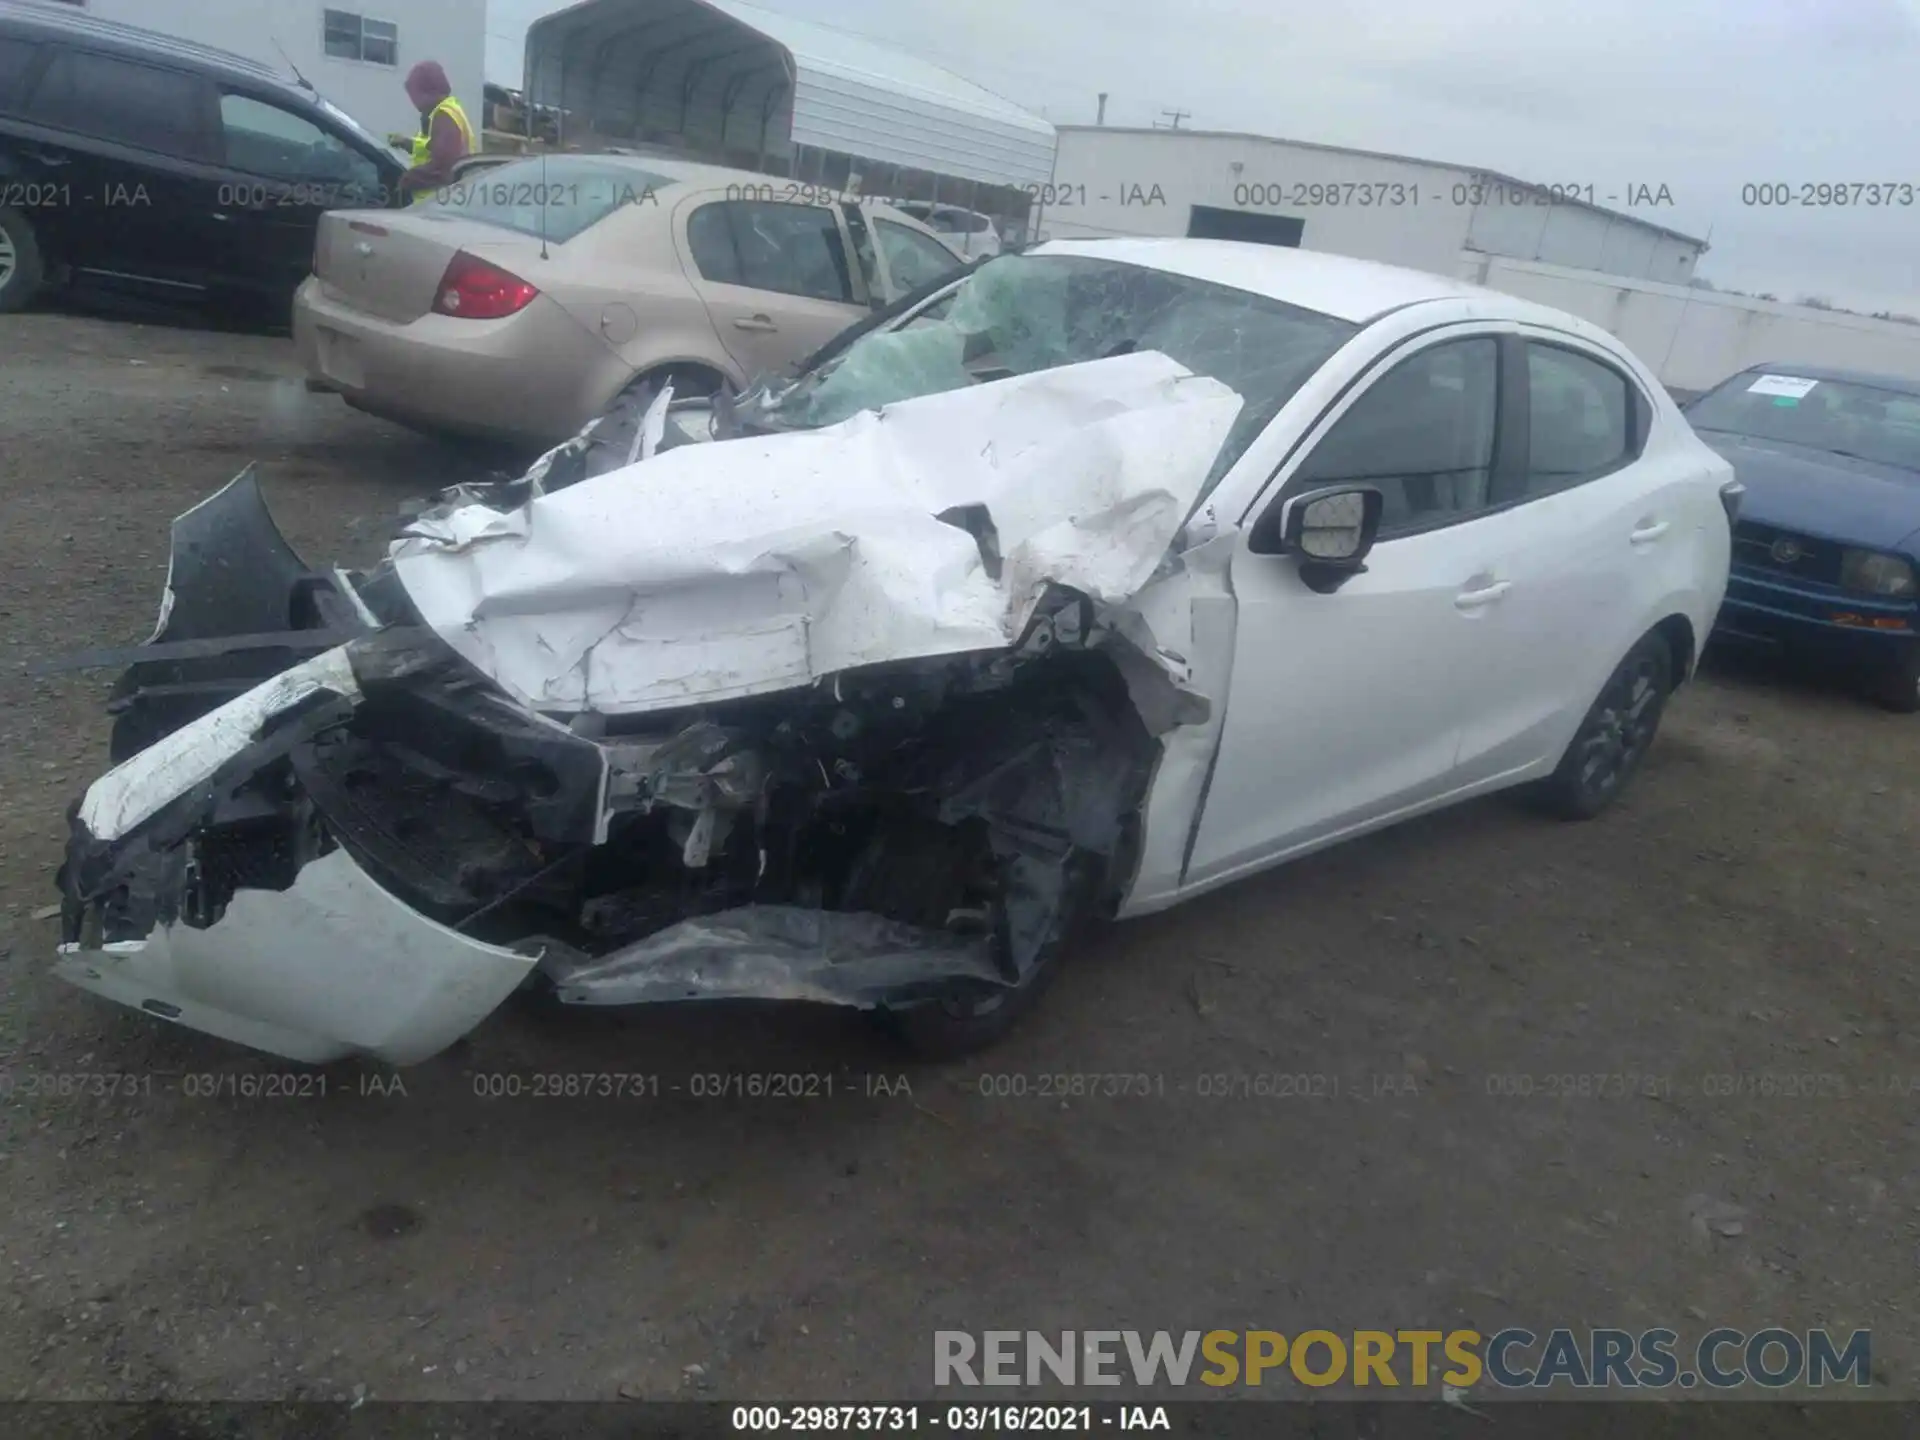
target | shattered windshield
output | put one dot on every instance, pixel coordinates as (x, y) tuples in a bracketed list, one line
[(1021, 313)]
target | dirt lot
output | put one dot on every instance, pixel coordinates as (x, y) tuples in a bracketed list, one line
[(1748, 912)]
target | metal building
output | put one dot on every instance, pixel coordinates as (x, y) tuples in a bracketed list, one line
[(739, 85), (1446, 219)]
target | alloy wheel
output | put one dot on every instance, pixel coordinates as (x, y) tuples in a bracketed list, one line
[(1622, 729), (7, 257)]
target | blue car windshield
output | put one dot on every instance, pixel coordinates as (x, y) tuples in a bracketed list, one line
[(1863, 421)]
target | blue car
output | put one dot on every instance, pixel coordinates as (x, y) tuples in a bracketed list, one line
[(1828, 534)]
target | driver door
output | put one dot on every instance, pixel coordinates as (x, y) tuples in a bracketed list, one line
[(280, 171), (1346, 709)]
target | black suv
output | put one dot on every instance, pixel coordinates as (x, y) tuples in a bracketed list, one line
[(135, 160)]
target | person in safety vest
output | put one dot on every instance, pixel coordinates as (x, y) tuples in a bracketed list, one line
[(445, 137)]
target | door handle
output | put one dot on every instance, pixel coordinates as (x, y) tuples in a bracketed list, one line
[(1486, 595), (1648, 531), (754, 322), (221, 215), (48, 159)]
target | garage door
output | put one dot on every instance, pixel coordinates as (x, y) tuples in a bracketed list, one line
[(1205, 222)]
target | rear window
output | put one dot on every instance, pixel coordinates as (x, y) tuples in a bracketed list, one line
[(16, 59), (125, 102), (558, 197)]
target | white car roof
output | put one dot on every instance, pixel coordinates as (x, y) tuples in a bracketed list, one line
[(1336, 285)]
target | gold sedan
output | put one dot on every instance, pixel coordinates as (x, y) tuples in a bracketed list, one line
[(521, 300)]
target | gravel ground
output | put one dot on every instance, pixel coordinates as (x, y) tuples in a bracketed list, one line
[(1747, 912)]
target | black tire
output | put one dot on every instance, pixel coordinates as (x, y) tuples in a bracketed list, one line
[(921, 873), (953, 1029), (22, 266), (1897, 688), (1615, 735)]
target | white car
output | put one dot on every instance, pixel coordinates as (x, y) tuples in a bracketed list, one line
[(1113, 573), (974, 235)]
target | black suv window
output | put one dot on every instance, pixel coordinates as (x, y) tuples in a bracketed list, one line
[(792, 249), (265, 139), (123, 101), (1423, 433), (1580, 419), (16, 59)]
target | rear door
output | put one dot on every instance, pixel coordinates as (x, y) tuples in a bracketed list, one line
[(280, 171), (1577, 541), (137, 140), (776, 278)]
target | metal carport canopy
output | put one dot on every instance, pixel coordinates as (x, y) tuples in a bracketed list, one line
[(729, 76)]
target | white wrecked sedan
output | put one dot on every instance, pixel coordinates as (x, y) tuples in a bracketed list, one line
[(1105, 575)]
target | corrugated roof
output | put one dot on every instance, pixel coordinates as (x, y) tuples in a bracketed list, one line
[(827, 51), (730, 74)]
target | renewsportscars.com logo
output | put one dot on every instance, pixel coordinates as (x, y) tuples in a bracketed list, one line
[(1511, 1359)]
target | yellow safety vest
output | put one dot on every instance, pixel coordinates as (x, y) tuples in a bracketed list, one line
[(422, 143)]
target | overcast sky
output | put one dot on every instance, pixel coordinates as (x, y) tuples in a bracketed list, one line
[(1702, 96)]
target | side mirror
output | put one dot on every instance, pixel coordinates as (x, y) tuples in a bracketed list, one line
[(1330, 530)]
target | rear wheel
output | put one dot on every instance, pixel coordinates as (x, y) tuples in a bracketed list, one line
[(22, 267), (1897, 688), (1615, 736)]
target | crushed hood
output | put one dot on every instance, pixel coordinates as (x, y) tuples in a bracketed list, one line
[(929, 527)]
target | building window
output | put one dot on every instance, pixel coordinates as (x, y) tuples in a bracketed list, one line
[(354, 37)]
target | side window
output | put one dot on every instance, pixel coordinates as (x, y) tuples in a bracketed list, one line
[(913, 258), (1423, 433), (791, 249), (264, 139), (16, 60), (1580, 419), (123, 101)]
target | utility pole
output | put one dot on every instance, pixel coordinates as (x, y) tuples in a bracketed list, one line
[(1177, 117)]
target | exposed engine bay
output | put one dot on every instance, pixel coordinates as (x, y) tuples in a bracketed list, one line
[(880, 741)]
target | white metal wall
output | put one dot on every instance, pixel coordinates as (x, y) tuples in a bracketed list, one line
[(1693, 339), (454, 32), (1510, 221), (1099, 170)]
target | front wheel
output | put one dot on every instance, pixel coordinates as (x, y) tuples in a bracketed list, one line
[(1614, 737), (22, 267), (1897, 687), (948, 877)]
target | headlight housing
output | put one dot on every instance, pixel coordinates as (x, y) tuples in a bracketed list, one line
[(1874, 572)]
